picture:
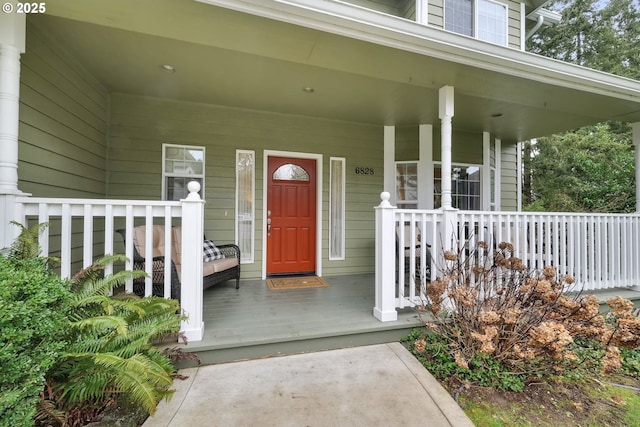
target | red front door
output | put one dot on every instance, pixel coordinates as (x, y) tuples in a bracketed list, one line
[(291, 215)]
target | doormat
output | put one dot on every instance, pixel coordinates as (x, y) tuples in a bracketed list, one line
[(301, 282)]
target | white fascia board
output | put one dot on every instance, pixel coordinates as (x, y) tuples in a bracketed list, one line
[(376, 27)]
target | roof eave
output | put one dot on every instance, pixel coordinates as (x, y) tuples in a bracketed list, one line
[(368, 25)]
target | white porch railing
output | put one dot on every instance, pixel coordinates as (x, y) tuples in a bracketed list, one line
[(601, 251), (91, 225)]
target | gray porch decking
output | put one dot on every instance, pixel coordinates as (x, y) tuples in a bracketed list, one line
[(254, 321)]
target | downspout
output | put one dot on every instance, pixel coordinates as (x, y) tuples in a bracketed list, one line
[(535, 27)]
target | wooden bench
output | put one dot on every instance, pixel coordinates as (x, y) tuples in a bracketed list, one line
[(213, 272)]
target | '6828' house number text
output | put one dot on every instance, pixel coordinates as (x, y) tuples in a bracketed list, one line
[(364, 171)]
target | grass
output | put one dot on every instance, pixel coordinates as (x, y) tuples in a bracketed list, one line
[(580, 403), (581, 398)]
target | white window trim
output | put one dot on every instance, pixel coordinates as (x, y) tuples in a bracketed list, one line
[(163, 195), (342, 242), (251, 258), (475, 21), (422, 11)]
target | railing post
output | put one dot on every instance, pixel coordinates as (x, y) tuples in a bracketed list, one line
[(8, 231), (191, 271), (385, 308), (451, 241)]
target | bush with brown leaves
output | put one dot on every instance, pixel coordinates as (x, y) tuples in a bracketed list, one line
[(529, 321)]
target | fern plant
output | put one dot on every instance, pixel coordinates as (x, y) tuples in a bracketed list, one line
[(26, 245), (111, 355)]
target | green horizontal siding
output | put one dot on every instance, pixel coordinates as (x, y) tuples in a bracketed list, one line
[(509, 177), (140, 125), (63, 123), (514, 18), (436, 13)]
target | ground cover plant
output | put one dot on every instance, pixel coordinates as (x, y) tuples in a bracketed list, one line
[(33, 320), (502, 329), (70, 350)]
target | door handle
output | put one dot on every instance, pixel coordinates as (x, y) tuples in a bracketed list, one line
[(268, 226)]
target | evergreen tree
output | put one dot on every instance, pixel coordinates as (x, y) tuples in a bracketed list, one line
[(587, 170), (590, 169)]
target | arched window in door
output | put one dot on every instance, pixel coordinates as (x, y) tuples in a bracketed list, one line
[(291, 172)]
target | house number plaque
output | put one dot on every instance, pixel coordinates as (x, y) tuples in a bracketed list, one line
[(364, 171)]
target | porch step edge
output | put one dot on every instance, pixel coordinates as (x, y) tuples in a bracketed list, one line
[(275, 347), (284, 348)]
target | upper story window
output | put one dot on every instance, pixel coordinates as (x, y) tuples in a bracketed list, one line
[(181, 164), (483, 19)]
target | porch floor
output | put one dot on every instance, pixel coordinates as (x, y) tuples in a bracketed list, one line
[(253, 321)]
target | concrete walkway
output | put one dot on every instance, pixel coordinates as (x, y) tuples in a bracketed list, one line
[(378, 385)]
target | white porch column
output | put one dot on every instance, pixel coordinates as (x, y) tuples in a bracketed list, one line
[(191, 270), (385, 275), (498, 174), (486, 171), (12, 44), (389, 179), (450, 213), (635, 127), (425, 167), (446, 113)]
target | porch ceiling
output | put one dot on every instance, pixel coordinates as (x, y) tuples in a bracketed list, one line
[(226, 57)]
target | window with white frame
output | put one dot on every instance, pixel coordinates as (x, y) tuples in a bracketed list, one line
[(483, 19), (337, 208), (245, 207), (180, 165), (465, 186), (407, 184)]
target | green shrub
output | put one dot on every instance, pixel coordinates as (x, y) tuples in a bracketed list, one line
[(631, 361), (110, 355), (434, 352), (68, 349), (34, 304)]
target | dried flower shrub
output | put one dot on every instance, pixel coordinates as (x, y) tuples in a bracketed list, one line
[(529, 321)]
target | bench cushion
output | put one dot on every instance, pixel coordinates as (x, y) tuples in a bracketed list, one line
[(218, 265), (158, 244), (157, 240), (210, 251)]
